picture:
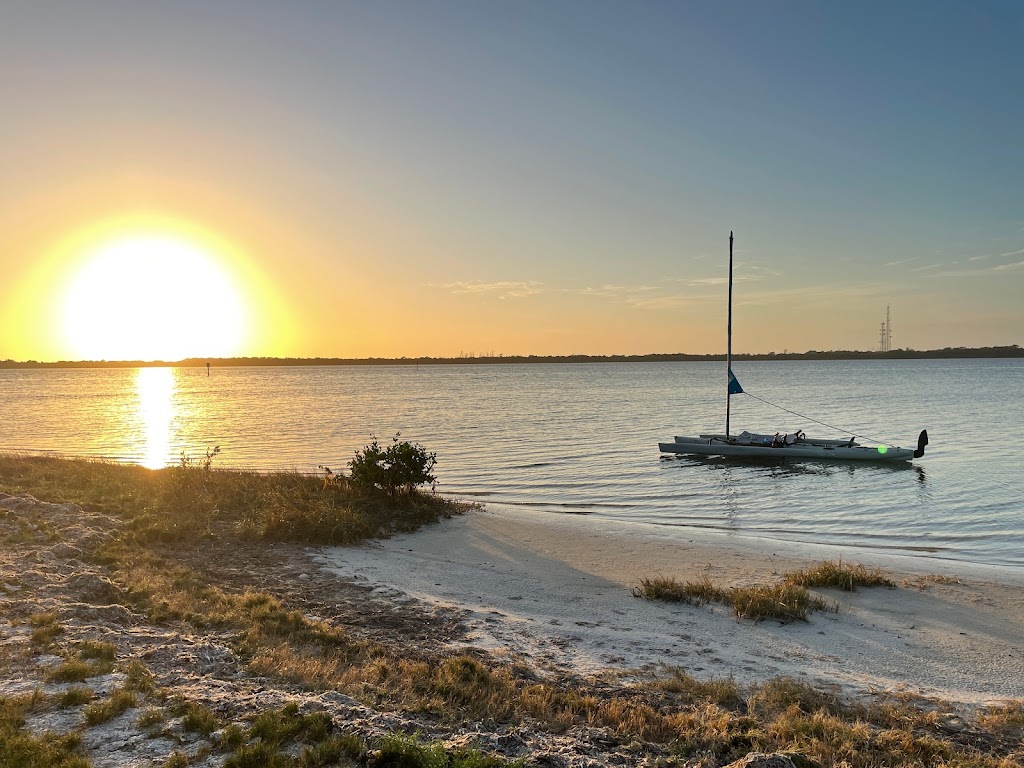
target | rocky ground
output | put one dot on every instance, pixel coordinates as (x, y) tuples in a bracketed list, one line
[(59, 604)]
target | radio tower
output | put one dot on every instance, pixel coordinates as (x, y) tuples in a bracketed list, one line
[(885, 334)]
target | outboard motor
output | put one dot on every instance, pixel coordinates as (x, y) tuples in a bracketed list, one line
[(922, 441)]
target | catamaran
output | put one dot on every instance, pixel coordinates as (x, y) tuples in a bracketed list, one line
[(782, 445)]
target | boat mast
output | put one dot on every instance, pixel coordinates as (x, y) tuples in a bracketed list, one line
[(728, 354)]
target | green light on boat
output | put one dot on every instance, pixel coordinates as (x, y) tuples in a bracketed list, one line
[(883, 449)]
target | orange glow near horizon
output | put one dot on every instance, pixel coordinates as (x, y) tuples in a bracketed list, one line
[(146, 288)]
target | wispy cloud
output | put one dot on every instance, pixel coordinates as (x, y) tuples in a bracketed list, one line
[(1007, 267), (504, 289), (1011, 254), (697, 282), (611, 291), (927, 267), (672, 301), (902, 261)]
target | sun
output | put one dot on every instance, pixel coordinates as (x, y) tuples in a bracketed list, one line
[(152, 296)]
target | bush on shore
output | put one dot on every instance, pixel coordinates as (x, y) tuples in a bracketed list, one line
[(400, 466)]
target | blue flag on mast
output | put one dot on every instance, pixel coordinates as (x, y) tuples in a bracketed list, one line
[(734, 384)]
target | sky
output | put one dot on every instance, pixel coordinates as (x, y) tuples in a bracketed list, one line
[(386, 179)]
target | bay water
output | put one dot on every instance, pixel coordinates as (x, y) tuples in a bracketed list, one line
[(582, 438)]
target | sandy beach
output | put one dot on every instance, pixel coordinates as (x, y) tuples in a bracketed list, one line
[(556, 591)]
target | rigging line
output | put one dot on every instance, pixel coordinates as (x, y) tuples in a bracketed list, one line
[(822, 423)]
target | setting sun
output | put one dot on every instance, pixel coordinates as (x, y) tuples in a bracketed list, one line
[(152, 297)]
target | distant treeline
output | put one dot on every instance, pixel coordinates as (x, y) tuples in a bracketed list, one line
[(895, 354)]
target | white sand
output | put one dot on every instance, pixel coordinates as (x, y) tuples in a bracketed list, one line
[(555, 590)]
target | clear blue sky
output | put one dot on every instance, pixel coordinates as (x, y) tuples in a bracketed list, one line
[(526, 177)]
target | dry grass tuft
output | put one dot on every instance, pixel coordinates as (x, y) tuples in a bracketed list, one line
[(782, 602), (197, 718), (1008, 718), (672, 590), (723, 692), (103, 711), (839, 575), (20, 748), (96, 649), (76, 696), (76, 671), (47, 628)]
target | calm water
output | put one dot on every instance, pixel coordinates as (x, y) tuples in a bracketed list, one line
[(583, 438)]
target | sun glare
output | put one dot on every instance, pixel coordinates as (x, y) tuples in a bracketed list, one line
[(152, 297), (155, 388)]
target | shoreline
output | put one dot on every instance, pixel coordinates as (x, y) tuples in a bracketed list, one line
[(947, 353), (891, 556), (556, 592)]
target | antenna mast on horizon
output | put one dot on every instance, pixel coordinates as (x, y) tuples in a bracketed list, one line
[(885, 334)]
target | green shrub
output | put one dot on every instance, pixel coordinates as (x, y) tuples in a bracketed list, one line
[(400, 466)]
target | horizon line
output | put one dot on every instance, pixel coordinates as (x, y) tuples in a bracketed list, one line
[(1012, 350)]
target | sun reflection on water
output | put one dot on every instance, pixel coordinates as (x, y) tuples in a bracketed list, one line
[(155, 388)]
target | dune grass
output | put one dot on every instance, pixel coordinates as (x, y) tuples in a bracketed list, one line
[(839, 575), (782, 602), (788, 600)]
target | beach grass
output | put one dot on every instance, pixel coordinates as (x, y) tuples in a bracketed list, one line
[(75, 696), (102, 711), (46, 628), (783, 602), (839, 575), (19, 747), (191, 502)]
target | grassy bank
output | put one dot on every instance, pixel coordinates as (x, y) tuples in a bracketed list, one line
[(178, 553), (194, 501)]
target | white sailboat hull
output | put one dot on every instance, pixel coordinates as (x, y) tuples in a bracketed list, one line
[(701, 446)]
